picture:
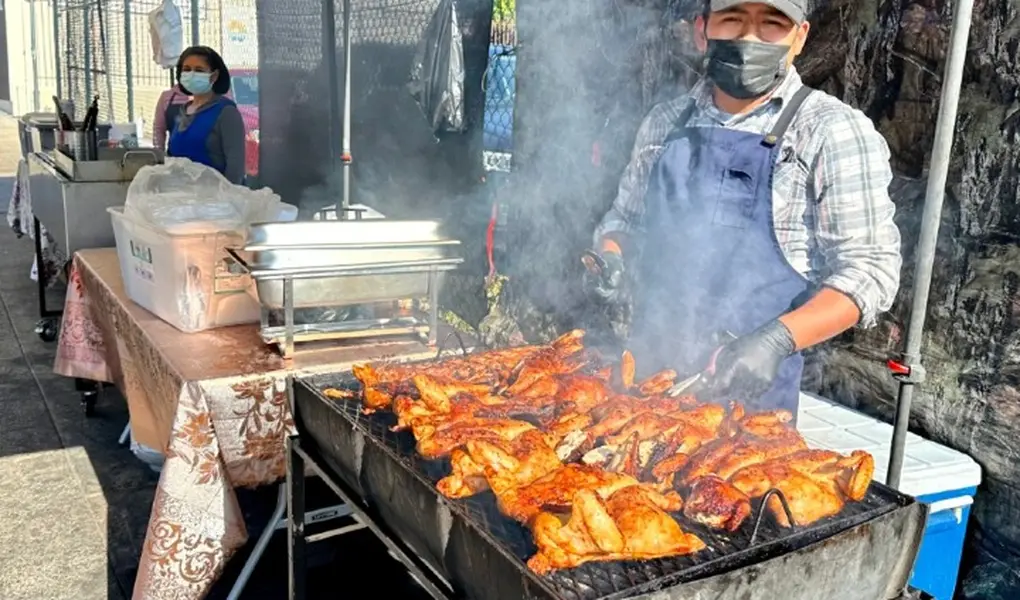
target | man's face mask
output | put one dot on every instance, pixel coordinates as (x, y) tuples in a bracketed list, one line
[(746, 69)]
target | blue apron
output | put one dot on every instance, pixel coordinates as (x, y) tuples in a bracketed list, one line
[(711, 262), (191, 142)]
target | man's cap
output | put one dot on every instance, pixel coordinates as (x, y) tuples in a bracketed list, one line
[(795, 9)]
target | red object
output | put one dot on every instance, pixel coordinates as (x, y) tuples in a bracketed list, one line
[(247, 79), (490, 240), (897, 368)]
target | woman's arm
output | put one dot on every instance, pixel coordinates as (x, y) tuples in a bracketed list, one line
[(230, 127), (159, 120)]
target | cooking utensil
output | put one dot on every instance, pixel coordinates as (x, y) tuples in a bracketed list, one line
[(66, 123), (693, 384)]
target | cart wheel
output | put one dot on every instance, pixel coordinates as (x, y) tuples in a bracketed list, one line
[(47, 330), (88, 402)]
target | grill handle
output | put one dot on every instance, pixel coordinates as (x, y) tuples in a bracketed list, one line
[(764, 507)]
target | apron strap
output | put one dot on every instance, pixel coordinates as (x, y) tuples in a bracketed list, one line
[(680, 125), (786, 117)]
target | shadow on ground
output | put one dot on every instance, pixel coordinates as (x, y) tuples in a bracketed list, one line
[(76, 504)]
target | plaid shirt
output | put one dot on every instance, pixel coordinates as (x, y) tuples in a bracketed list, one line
[(831, 208)]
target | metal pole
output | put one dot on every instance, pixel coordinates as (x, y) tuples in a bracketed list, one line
[(56, 48), (129, 64), (35, 57), (930, 219), (345, 152), (87, 67), (332, 76), (194, 23)]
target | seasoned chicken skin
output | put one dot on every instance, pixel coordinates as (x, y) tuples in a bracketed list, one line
[(629, 524), (499, 464), (556, 490)]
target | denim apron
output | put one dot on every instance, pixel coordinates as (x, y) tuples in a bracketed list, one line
[(191, 142), (711, 262)]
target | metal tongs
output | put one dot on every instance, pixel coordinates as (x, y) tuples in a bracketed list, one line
[(595, 264), (693, 384)]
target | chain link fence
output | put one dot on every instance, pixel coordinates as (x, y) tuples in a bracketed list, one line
[(399, 164), (86, 48)]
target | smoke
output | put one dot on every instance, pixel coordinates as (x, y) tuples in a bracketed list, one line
[(587, 74)]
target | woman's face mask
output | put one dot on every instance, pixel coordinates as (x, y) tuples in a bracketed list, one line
[(196, 82)]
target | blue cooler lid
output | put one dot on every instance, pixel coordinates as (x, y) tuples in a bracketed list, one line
[(928, 468)]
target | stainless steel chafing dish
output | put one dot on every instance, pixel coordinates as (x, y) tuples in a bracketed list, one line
[(343, 263)]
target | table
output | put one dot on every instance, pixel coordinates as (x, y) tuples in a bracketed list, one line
[(214, 403)]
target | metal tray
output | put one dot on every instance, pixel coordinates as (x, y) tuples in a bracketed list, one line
[(114, 164), (344, 285), (865, 552), (310, 234), (334, 243)]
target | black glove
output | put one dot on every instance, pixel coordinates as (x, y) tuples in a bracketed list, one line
[(605, 276), (745, 368)]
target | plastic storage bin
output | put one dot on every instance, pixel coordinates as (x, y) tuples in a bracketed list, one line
[(184, 279), (945, 479)]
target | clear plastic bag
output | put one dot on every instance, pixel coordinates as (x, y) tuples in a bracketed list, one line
[(181, 196)]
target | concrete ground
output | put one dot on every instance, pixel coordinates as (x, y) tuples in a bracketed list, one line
[(74, 505)]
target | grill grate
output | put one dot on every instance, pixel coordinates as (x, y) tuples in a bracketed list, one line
[(601, 580)]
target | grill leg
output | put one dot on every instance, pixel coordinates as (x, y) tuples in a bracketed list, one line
[(295, 521), (260, 546)]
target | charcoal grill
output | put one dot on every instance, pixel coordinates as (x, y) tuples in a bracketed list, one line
[(866, 552)]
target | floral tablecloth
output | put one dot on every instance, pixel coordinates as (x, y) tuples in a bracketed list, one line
[(213, 402), (21, 221)]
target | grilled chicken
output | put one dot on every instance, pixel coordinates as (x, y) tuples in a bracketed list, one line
[(723, 458), (629, 524), (499, 464), (717, 504), (589, 457), (816, 483), (556, 490), (443, 440)]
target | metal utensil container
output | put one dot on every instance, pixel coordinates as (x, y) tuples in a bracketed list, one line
[(344, 263), (84, 145)]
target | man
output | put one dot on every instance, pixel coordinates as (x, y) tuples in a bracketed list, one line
[(752, 206)]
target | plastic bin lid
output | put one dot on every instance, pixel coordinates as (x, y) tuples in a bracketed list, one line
[(928, 468)]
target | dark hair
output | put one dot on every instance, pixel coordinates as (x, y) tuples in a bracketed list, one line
[(222, 84)]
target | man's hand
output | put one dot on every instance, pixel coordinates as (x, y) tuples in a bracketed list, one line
[(605, 279), (745, 368)]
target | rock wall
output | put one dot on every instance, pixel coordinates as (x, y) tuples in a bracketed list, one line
[(893, 55), (589, 70)]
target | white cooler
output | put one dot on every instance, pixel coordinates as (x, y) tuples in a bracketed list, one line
[(945, 479)]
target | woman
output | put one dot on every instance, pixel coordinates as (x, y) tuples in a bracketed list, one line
[(209, 129)]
